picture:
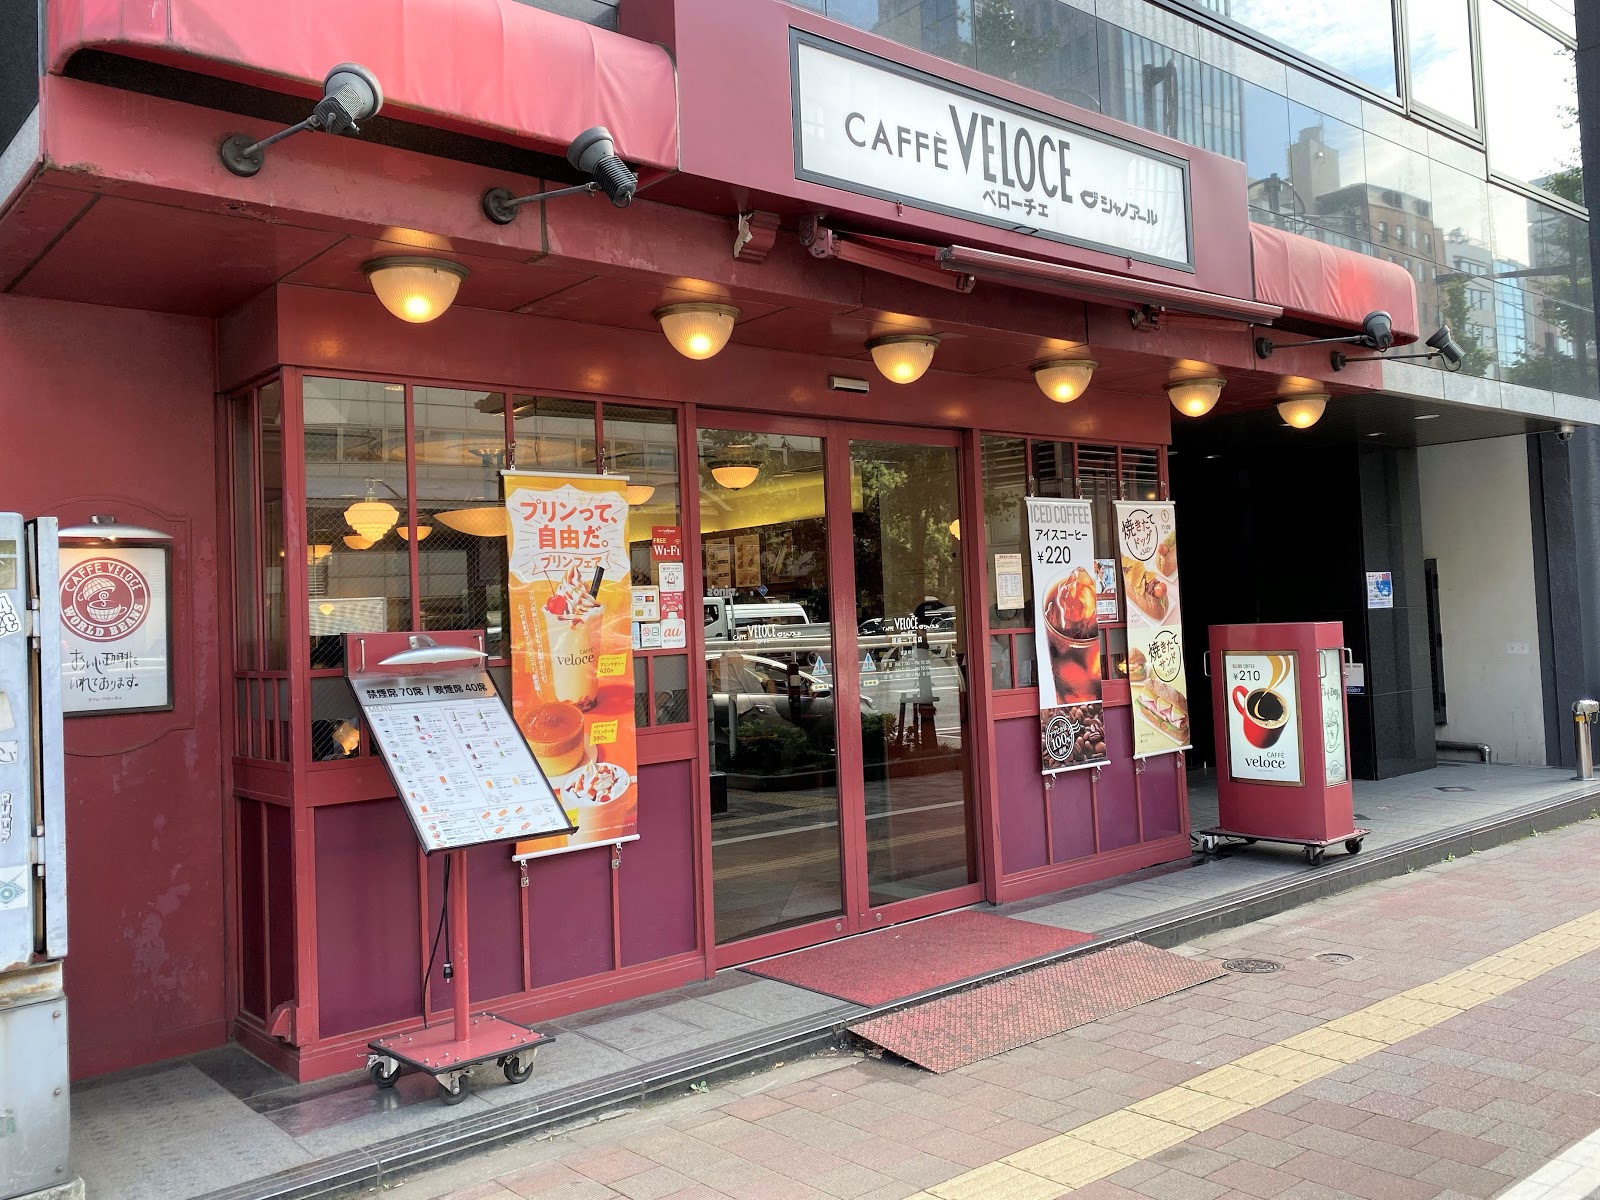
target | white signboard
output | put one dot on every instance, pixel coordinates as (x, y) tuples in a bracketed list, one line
[(1331, 666), (461, 766), (879, 129), (116, 631), (1380, 589), (1067, 634), (1008, 582), (1263, 717)]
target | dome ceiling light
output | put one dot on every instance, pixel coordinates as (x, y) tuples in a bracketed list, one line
[(1064, 379), (697, 331), (903, 357), (1303, 411), (417, 290), (1195, 397)]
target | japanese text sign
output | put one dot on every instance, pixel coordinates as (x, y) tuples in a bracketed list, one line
[(873, 127), (115, 629), (1067, 634), (1147, 545)]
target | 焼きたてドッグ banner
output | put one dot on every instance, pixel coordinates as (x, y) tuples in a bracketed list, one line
[(571, 611), (1147, 542)]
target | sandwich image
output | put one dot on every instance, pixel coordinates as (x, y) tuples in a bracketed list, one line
[(1165, 707)]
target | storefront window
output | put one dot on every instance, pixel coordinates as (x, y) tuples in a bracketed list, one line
[(1530, 97), (461, 544), (269, 413), (358, 566), (1440, 48), (557, 435), (246, 553), (1005, 483), (642, 443)]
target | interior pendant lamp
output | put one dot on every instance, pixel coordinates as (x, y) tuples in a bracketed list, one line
[(637, 493), (356, 542), (490, 520), (422, 531), (1303, 411), (1064, 379), (736, 469), (697, 331), (903, 357), (316, 553), (372, 518), (1195, 397), (415, 289)]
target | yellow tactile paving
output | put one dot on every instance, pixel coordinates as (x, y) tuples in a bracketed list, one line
[(1069, 1162), (1131, 1133), (1105, 1146), (1191, 1109), (1326, 1042)]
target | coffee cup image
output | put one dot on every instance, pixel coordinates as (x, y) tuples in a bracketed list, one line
[(1073, 634), (1265, 715)]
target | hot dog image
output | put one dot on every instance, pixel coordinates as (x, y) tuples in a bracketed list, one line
[(1144, 588)]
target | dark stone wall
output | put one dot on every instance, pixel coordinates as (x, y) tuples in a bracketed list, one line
[(20, 22)]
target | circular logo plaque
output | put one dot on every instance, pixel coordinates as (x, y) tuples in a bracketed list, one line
[(104, 600)]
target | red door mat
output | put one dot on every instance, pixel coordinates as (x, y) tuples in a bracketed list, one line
[(953, 1031), (890, 964)]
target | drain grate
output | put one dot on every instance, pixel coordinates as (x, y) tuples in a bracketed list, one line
[(1334, 956), (1251, 966)]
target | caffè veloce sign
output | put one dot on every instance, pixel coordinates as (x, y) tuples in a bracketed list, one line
[(878, 129)]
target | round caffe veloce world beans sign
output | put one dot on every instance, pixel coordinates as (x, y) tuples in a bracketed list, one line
[(115, 629)]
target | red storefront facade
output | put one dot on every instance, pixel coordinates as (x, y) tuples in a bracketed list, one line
[(201, 342)]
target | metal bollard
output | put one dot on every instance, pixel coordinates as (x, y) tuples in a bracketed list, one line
[(1584, 714)]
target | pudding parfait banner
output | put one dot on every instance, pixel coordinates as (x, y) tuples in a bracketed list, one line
[(571, 613), (1147, 543), (1072, 731)]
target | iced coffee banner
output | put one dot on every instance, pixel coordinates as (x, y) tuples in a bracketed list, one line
[(1147, 545), (1072, 728), (571, 610), (458, 762)]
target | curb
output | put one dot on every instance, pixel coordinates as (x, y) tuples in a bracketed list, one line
[(359, 1170)]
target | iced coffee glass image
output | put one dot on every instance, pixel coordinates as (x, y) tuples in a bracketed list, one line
[(1074, 634), (572, 622)]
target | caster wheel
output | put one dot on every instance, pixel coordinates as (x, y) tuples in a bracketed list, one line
[(384, 1079), (1207, 845), (1353, 846), (508, 1067), (451, 1095), (1314, 855)]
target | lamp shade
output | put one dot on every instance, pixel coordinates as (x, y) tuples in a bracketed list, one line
[(356, 542), (316, 553), (1303, 411), (904, 358), (415, 289), (488, 521), (1195, 397), (735, 475), (955, 529), (372, 518), (1064, 379), (697, 331), (637, 493), (422, 531)]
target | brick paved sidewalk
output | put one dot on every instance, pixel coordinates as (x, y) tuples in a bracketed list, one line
[(1465, 1107)]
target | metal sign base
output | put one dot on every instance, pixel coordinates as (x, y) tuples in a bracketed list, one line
[(1207, 841)]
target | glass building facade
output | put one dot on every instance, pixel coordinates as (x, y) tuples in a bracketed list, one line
[(1441, 135)]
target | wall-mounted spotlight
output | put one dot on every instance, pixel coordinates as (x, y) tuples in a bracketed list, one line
[(1377, 333), (350, 94), (591, 152), (1440, 345)]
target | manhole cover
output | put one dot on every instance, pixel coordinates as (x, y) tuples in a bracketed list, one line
[(1454, 788), (1334, 957), (1251, 966)]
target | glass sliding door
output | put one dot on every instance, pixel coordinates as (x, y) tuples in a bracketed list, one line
[(911, 650), (776, 848)]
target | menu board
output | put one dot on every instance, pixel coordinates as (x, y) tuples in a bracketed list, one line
[(461, 766)]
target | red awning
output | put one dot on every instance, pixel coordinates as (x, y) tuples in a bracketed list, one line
[(493, 64), (1327, 290)]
